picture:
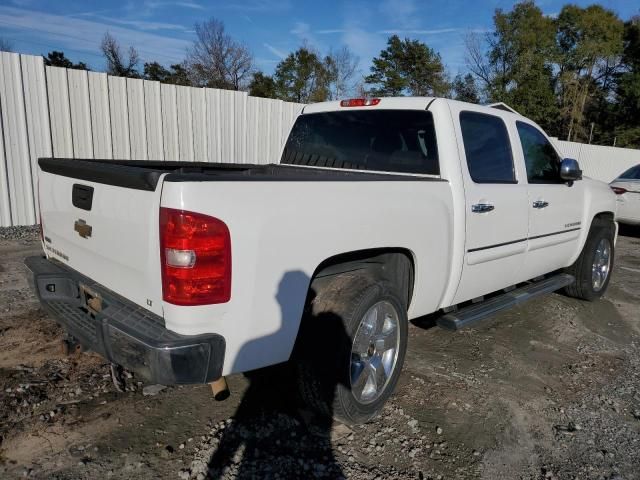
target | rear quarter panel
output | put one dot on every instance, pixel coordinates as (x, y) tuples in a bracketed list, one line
[(282, 230)]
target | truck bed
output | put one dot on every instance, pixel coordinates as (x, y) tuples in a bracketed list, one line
[(144, 174)]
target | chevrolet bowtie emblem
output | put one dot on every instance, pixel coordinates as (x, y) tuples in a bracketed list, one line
[(82, 228)]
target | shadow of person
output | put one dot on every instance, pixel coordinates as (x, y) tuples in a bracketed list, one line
[(272, 433)]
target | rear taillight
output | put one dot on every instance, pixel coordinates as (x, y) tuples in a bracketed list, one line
[(195, 251), (360, 102), (619, 190)]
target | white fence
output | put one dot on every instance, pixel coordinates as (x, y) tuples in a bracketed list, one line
[(50, 111), (602, 163)]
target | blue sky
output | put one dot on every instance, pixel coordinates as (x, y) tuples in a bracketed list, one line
[(161, 30)]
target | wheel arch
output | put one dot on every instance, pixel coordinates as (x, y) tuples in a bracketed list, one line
[(396, 265), (602, 218)]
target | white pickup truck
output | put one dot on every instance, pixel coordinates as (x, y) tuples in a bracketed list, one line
[(380, 211)]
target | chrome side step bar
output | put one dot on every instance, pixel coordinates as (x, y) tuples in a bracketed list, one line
[(475, 312)]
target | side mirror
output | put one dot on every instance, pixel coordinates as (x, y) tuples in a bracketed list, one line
[(570, 170)]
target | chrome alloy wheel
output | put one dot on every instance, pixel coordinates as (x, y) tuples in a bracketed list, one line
[(601, 264), (374, 352)]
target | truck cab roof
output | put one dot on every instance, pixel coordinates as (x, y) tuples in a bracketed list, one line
[(406, 103)]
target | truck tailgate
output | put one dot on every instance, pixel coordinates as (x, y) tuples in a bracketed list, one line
[(106, 229)]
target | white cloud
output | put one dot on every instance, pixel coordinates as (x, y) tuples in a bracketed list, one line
[(156, 4), (331, 31), (363, 43), (402, 13), (305, 33), (192, 5), (277, 52), (141, 24), (148, 8), (357, 34), (83, 35), (435, 31), (257, 5), (302, 30)]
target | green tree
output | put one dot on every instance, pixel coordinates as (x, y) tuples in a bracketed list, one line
[(407, 67), (302, 77), (626, 128), (58, 59), (262, 85), (574, 75), (176, 74), (590, 42), (465, 89), (517, 67)]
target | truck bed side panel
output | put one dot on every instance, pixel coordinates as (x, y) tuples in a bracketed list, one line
[(282, 231)]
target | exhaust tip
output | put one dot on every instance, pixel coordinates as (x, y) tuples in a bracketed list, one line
[(220, 389)]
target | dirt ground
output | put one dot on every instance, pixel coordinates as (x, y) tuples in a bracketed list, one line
[(547, 390)]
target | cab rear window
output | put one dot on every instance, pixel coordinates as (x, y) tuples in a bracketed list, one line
[(401, 141)]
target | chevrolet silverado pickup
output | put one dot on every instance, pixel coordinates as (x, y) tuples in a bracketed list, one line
[(379, 211)]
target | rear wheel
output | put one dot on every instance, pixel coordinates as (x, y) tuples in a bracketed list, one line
[(351, 347), (592, 269)]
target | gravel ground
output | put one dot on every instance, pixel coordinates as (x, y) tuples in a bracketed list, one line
[(549, 390), (29, 233)]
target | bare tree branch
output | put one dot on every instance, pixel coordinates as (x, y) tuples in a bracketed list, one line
[(116, 62), (476, 60), (217, 60), (341, 66)]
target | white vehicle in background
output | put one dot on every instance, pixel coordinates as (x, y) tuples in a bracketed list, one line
[(380, 211), (627, 190)]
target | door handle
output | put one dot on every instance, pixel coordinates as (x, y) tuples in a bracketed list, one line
[(482, 207), (540, 204)]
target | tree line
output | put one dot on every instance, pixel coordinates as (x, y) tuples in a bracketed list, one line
[(577, 74)]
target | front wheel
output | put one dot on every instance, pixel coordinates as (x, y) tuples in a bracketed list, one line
[(592, 269), (352, 345)]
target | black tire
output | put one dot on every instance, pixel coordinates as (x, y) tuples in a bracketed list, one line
[(323, 349), (582, 268)]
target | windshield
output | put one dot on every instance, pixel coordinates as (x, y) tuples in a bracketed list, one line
[(383, 140)]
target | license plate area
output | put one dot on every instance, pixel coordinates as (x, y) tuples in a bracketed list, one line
[(90, 300)]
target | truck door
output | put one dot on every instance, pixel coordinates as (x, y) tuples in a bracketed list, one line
[(555, 206), (496, 201)]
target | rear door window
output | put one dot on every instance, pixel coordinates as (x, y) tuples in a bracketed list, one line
[(487, 148), (385, 140)]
